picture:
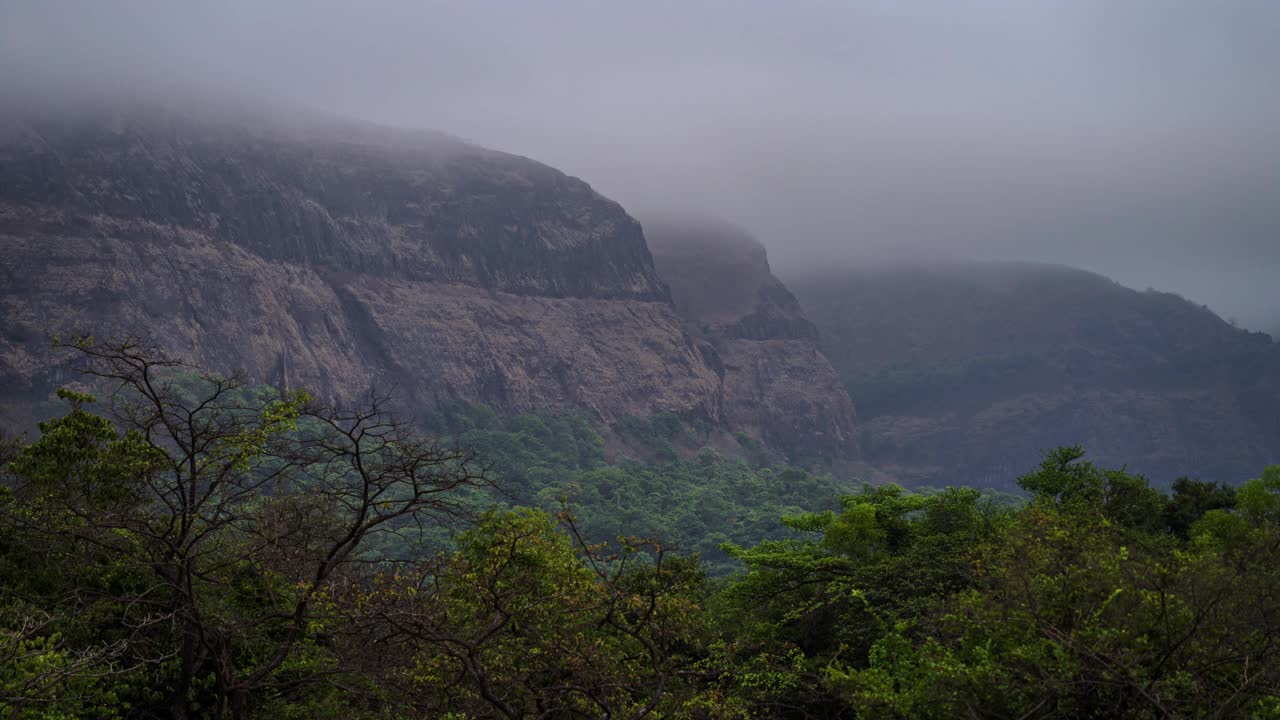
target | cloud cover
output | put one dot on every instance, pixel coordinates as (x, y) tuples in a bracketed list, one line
[(1140, 139)]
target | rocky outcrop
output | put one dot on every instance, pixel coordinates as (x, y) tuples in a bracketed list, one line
[(777, 383), (336, 258), (964, 373), (317, 253), (342, 198)]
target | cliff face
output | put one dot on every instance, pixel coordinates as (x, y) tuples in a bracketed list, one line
[(335, 258), (321, 254), (777, 383), (963, 373), (347, 199)]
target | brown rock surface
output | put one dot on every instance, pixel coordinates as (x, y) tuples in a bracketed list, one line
[(336, 258), (777, 382), (340, 258)]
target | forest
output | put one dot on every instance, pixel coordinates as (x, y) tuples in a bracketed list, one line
[(180, 544)]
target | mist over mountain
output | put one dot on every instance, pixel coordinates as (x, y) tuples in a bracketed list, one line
[(703, 359), (837, 137), (346, 258), (964, 371), (1138, 140)]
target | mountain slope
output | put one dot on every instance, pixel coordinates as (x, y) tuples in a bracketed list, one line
[(964, 372), (337, 257), (776, 380)]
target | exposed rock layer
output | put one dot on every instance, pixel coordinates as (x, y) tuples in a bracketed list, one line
[(342, 258)]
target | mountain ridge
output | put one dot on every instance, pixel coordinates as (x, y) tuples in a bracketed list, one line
[(338, 258), (964, 372)]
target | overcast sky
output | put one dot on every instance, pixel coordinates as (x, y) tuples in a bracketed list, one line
[(1139, 139)]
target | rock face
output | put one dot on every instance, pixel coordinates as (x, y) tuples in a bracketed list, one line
[(963, 373), (749, 327), (342, 258), (336, 257)]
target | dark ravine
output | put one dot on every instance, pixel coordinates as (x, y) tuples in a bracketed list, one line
[(964, 373), (340, 257)]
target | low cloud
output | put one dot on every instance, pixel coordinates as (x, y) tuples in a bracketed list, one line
[(1137, 139)]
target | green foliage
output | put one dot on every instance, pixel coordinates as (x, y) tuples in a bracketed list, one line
[(694, 504), (1087, 602), (1065, 483), (528, 451), (183, 558), (883, 560), (1259, 499), (1191, 499), (226, 551), (527, 619), (662, 434), (41, 677)]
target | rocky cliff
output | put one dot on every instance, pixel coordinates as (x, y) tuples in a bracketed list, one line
[(749, 327), (338, 257), (963, 373)]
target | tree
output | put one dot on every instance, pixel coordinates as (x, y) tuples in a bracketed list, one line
[(237, 512), (1082, 609), (883, 561), (527, 619), (1066, 482), (1191, 499), (1085, 602)]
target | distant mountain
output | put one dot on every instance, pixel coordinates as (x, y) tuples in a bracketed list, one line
[(962, 373), (336, 256)]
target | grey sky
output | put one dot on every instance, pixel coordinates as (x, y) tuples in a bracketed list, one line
[(1138, 138)]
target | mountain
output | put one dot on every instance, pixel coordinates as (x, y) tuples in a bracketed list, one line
[(339, 257), (963, 373), (777, 381)]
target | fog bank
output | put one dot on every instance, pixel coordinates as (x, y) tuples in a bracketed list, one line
[(1140, 139)]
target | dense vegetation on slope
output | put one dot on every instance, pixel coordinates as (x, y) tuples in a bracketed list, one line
[(695, 500), (218, 551), (965, 372)]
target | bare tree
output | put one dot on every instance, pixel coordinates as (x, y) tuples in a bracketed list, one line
[(247, 508)]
